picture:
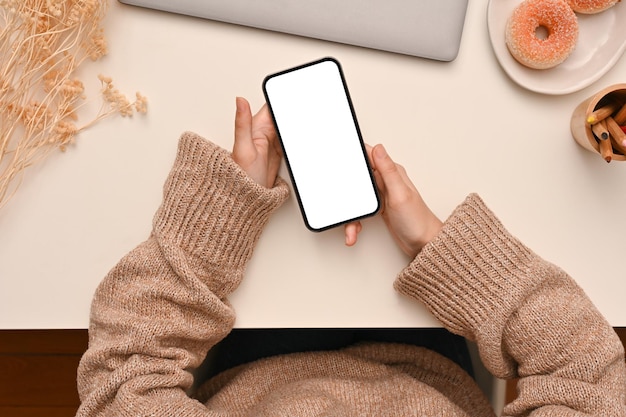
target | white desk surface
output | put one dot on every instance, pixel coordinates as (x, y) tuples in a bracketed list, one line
[(458, 127)]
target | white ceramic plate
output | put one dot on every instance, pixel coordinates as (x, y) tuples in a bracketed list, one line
[(601, 42)]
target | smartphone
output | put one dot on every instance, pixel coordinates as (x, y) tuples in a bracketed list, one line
[(322, 144)]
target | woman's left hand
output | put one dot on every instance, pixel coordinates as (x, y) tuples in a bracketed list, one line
[(256, 149)]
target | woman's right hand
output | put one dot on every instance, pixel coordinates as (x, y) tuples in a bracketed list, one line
[(409, 220)]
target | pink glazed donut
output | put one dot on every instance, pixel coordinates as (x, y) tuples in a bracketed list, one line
[(591, 6), (558, 20)]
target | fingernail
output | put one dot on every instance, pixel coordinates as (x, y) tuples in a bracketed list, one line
[(380, 151), (239, 103)]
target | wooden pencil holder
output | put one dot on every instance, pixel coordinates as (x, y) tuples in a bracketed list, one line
[(581, 129)]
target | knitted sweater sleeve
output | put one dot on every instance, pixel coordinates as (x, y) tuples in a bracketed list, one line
[(529, 318), (158, 312)]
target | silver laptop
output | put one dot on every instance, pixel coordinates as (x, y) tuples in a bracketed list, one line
[(424, 28)]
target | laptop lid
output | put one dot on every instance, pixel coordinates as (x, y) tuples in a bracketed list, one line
[(424, 28)]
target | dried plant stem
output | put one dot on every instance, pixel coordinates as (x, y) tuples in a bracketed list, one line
[(42, 44)]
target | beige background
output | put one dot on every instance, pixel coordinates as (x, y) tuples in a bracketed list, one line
[(458, 127)]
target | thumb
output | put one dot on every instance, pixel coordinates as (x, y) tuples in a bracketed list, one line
[(388, 170), (243, 127)]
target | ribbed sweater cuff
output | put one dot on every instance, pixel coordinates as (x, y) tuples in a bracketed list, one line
[(212, 210), (474, 274)]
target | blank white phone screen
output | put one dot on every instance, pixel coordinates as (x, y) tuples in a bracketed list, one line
[(322, 144)]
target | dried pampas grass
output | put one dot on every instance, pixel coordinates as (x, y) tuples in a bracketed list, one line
[(42, 44)]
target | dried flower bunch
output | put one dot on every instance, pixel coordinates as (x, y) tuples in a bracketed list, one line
[(42, 44)]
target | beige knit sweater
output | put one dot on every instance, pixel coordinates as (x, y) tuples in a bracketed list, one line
[(159, 311)]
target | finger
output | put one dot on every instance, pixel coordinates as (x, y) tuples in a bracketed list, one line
[(263, 128), (393, 178), (243, 128), (382, 192), (351, 231), (263, 114), (377, 177), (263, 121), (265, 138)]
